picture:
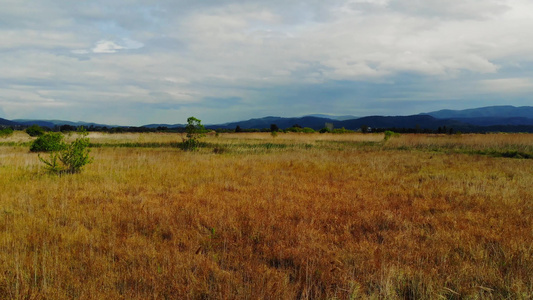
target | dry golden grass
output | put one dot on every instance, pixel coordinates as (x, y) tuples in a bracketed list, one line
[(16, 137), (338, 218), (473, 141), (306, 137)]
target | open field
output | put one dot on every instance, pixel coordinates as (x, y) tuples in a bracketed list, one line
[(249, 216)]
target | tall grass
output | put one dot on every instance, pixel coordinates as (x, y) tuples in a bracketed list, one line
[(489, 144), (352, 220)]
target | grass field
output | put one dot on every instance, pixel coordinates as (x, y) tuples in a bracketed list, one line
[(250, 216)]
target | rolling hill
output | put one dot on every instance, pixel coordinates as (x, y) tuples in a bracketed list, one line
[(5, 122), (53, 123), (498, 112)]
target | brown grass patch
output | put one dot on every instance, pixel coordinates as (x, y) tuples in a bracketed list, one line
[(320, 222)]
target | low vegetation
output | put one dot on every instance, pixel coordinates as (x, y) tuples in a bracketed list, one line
[(49, 142), (195, 131), (389, 134), (64, 157), (249, 216), (35, 130), (6, 132)]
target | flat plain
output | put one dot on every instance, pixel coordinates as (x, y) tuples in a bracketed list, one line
[(252, 216)]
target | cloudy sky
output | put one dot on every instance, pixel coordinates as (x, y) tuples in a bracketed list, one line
[(135, 62)]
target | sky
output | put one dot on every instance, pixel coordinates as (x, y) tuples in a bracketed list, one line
[(137, 62)]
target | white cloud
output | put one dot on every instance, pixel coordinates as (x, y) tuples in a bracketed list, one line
[(106, 47), (189, 51)]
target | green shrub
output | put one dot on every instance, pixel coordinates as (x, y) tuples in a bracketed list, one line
[(389, 134), (35, 130), (342, 130), (292, 129), (195, 131), (48, 142), (71, 157), (300, 129), (5, 132)]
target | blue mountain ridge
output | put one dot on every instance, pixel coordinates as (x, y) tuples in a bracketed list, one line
[(510, 117)]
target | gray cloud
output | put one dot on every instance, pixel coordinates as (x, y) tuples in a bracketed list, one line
[(451, 9)]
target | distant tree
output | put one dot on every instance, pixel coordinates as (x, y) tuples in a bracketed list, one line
[(67, 128), (292, 129), (117, 130), (274, 128), (296, 126), (35, 130), (364, 128), (195, 130), (299, 129), (238, 129), (342, 130)]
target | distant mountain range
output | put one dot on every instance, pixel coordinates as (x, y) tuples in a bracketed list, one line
[(494, 118), (8, 123), (502, 112), (484, 119), (53, 123), (415, 121)]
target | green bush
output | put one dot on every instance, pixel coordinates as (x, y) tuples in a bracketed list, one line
[(35, 130), (5, 132), (342, 130), (300, 129), (389, 134), (195, 131), (71, 157), (48, 142)]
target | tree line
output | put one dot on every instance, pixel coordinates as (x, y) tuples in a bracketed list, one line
[(7, 130)]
